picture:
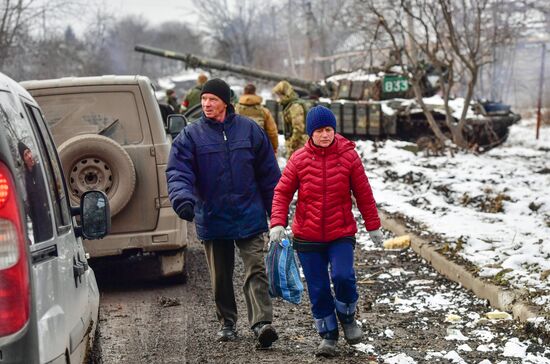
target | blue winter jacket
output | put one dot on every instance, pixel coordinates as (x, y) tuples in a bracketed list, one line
[(228, 171)]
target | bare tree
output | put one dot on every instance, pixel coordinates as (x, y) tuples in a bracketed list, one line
[(391, 19), (324, 28), (287, 37), (455, 37), (97, 35), (230, 28), (18, 18)]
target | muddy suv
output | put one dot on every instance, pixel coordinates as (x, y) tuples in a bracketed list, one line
[(49, 299), (110, 136)]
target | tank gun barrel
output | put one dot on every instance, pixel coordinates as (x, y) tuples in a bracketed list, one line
[(194, 61)]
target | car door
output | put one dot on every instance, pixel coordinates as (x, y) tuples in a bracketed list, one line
[(18, 332), (79, 292)]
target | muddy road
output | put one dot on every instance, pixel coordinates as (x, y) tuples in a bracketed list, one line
[(403, 309)]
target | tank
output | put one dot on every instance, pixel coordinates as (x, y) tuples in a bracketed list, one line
[(373, 104)]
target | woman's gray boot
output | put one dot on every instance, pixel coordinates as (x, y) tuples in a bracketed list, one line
[(327, 347), (352, 332), (327, 327), (346, 315)]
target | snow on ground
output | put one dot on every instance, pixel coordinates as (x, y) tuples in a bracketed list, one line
[(421, 317), (496, 205)]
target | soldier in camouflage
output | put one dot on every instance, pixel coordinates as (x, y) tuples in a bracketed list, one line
[(193, 97), (250, 105), (294, 114)]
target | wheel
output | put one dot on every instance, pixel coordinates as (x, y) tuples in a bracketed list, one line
[(95, 162)]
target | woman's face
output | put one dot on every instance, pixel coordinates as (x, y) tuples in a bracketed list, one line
[(323, 137)]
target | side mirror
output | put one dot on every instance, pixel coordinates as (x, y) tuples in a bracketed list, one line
[(176, 122), (95, 215)]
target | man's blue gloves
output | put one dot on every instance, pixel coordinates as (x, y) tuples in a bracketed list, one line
[(186, 211)]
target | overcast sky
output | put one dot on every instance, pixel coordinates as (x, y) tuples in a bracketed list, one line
[(155, 11)]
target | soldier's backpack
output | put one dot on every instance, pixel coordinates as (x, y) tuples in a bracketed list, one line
[(306, 105), (254, 112)]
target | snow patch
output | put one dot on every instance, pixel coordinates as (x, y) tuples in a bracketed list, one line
[(398, 359), (515, 349)]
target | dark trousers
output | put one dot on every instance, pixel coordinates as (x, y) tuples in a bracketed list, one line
[(315, 265), (220, 257)]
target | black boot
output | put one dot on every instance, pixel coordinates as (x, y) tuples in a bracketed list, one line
[(265, 334), (352, 332), (327, 347), (228, 332)]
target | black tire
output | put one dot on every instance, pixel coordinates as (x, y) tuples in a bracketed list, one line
[(96, 162)]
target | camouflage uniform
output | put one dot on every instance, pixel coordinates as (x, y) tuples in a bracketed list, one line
[(193, 97), (294, 117), (251, 106)]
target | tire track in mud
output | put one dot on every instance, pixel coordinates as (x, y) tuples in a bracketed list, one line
[(145, 321)]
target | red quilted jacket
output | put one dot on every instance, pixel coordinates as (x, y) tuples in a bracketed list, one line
[(324, 178)]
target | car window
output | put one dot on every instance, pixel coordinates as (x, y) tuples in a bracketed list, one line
[(111, 114), (27, 157), (53, 171)]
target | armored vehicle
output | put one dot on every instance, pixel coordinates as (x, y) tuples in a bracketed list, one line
[(373, 103)]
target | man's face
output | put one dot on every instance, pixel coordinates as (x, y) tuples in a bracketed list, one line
[(213, 107), (28, 159), (323, 137)]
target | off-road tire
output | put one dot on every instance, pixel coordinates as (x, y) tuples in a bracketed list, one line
[(96, 162)]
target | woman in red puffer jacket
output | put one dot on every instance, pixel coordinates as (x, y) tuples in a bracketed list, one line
[(325, 172)]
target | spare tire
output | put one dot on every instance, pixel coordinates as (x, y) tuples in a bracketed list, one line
[(95, 162)]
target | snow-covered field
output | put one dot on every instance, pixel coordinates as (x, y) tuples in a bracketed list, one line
[(495, 205)]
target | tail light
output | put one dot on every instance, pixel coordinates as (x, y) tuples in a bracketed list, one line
[(14, 274)]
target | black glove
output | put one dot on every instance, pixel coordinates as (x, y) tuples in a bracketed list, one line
[(186, 211)]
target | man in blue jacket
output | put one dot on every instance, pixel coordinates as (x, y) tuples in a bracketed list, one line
[(222, 172)]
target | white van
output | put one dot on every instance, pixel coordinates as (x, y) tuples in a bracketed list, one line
[(49, 298)]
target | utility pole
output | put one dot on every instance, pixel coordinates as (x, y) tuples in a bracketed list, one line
[(410, 34), (541, 88), (309, 36)]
